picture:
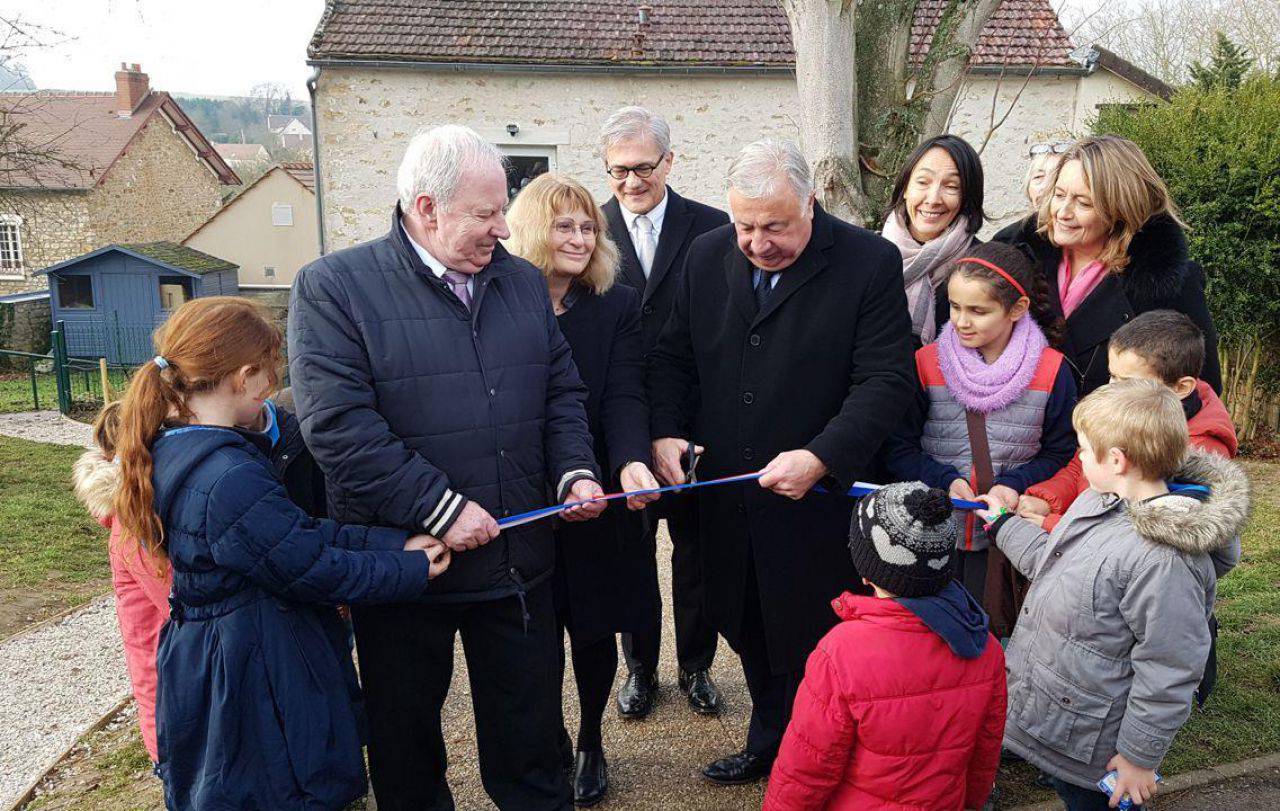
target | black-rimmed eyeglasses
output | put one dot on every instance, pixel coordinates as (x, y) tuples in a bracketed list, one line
[(642, 171)]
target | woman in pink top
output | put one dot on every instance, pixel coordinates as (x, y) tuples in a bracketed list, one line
[(1108, 239), (141, 583)]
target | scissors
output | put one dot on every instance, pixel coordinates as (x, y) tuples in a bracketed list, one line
[(691, 459)]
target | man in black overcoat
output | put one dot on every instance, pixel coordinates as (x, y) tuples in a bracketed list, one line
[(653, 228), (793, 325)]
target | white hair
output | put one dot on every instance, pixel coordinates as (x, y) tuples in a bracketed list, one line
[(761, 165), (635, 122), (436, 160)]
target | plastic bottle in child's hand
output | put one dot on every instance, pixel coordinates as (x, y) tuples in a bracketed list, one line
[(1108, 786)]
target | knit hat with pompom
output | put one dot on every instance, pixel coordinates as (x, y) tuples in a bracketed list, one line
[(902, 539)]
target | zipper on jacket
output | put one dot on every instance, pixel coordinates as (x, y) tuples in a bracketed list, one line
[(520, 592)]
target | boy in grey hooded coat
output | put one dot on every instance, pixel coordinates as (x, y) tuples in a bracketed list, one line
[(1114, 633)]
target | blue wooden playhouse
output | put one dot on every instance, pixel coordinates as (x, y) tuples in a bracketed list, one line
[(111, 300)]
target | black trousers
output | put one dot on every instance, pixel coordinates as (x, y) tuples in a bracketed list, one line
[(406, 664), (695, 638), (772, 694)]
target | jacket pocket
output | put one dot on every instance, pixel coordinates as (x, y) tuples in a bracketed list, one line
[(1063, 716)]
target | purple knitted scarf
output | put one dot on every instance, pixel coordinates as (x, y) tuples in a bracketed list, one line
[(988, 388)]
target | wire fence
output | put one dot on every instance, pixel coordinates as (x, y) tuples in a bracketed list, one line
[(73, 385)]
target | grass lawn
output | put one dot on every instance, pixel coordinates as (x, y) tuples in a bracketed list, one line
[(52, 554), (86, 392)]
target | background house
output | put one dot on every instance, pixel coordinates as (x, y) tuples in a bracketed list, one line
[(539, 79), (238, 156), (293, 132), (117, 167), (113, 298), (269, 229)]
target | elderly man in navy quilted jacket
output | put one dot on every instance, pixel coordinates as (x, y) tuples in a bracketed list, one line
[(436, 392)]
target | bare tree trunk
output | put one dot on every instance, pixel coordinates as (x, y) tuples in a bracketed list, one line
[(965, 20), (822, 32)]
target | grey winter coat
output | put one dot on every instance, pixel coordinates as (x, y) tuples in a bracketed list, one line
[(1114, 633)]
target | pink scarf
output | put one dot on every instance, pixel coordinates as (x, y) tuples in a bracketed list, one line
[(1074, 291)]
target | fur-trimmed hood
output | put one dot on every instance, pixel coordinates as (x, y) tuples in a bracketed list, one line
[(96, 479), (1158, 257), (1196, 526)]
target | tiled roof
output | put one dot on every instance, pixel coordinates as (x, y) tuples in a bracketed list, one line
[(87, 135), (304, 173), (180, 256), (1020, 32), (680, 33), (242, 152)]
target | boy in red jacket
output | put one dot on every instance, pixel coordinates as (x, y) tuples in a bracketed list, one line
[(902, 704), (1160, 345)]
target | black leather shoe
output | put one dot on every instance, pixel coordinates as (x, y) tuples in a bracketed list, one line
[(735, 770), (590, 778), (638, 694), (704, 696)]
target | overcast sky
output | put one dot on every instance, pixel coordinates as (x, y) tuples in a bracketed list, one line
[(214, 47)]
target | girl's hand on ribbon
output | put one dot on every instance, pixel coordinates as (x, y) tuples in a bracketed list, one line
[(583, 490), (992, 512), (1003, 496), (668, 458), (792, 474), (637, 476), (960, 489)]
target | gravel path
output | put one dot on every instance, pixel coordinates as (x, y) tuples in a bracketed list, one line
[(46, 426), (57, 681)]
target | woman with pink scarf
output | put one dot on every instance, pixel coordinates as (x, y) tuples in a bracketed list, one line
[(934, 213)]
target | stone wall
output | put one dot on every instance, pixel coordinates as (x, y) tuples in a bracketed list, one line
[(25, 327), (55, 227), (158, 190), (366, 118)]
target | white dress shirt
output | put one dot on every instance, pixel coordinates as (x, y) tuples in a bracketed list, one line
[(437, 267)]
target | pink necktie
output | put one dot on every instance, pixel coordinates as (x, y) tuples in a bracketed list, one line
[(458, 284)]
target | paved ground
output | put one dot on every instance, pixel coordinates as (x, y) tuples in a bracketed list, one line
[(653, 764), (57, 680), (46, 426), (1255, 792)]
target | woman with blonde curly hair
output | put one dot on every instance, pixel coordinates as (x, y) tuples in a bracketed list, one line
[(1109, 240), (605, 579)]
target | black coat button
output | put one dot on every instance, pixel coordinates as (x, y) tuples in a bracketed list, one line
[(748, 398), (648, 309), (755, 340), (747, 453)]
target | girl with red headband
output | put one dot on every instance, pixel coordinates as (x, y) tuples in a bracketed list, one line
[(994, 411)]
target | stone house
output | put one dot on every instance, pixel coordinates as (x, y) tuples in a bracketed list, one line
[(538, 80), (120, 167), (268, 229)]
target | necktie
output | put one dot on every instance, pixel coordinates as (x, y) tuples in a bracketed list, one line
[(764, 286), (646, 243), (458, 284)]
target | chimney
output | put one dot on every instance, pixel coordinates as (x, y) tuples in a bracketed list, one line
[(132, 86)]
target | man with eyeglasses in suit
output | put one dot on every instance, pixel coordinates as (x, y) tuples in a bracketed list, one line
[(653, 228)]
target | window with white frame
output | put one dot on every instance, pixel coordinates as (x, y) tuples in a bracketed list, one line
[(281, 214), (10, 242)]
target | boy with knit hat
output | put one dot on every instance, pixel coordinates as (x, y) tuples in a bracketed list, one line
[(902, 704)]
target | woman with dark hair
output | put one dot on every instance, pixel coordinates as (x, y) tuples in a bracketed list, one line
[(933, 216), (1109, 242)]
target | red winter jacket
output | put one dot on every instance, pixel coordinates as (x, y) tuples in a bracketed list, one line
[(887, 717), (1211, 429)]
